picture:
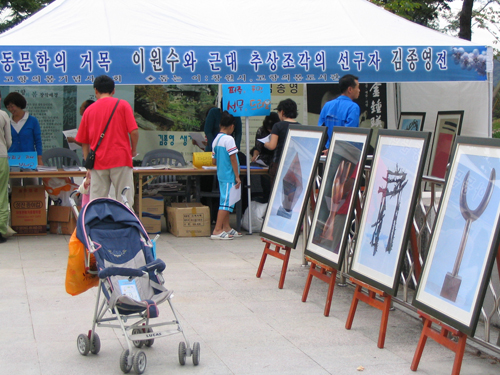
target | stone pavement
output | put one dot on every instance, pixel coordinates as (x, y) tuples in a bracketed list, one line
[(245, 325)]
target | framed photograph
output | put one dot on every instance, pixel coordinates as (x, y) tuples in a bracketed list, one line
[(411, 121), (465, 236), (296, 172), (390, 200), (337, 195), (448, 126)]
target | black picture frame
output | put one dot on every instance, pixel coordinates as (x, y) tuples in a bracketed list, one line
[(337, 195), (298, 164), (456, 297), (396, 172), (411, 121), (448, 127)]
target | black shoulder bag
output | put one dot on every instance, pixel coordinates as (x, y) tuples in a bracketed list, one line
[(89, 162)]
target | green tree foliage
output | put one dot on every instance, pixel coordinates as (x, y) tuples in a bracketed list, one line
[(16, 11), (423, 12)]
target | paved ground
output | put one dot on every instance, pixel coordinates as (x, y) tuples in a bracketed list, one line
[(245, 325)]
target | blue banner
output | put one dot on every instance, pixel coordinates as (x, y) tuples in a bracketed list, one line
[(247, 99), (74, 65)]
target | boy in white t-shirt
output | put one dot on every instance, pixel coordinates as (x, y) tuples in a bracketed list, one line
[(224, 153)]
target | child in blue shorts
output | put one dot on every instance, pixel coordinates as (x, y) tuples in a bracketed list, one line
[(224, 153)]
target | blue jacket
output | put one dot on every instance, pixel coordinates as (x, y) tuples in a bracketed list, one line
[(29, 138), (339, 112)]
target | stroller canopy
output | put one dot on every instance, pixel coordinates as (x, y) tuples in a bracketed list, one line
[(106, 213)]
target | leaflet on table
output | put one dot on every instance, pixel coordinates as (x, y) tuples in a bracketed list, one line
[(71, 133), (199, 139), (129, 288), (234, 195), (42, 168), (209, 167), (265, 139), (158, 166)]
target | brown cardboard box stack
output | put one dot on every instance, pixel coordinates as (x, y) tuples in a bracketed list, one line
[(61, 220), (152, 212), (188, 220), (28, 212)]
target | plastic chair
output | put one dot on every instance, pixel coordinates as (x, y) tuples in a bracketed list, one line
[(61, 157), (165, 156)]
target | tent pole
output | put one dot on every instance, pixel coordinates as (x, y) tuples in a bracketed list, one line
[(490, 104), (249, 182), (489, 75)]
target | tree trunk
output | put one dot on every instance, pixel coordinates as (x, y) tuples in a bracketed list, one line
[(466, 20)]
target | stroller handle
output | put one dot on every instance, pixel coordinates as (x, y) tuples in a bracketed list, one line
[(72, 201), (124, 198), (117, 271)]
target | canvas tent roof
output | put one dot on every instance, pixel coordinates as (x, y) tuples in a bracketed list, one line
[(223, 23), (194, 41)]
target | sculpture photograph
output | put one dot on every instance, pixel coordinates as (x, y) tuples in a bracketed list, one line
[(290, 192), (394, 184), (337, 195), (465, 236)]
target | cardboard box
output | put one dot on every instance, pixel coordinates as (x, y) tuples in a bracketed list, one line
[(152, 223), (61, 220), (150, 204), (28, 212), (188, 220)]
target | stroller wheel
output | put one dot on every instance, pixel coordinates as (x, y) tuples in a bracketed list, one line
[(182, 353), (124, 366), (196, 353), (140, 362), (96, 344), (149, 343), (137, 343), (83, 344)]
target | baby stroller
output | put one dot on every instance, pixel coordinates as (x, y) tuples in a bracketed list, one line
[(131, 282)]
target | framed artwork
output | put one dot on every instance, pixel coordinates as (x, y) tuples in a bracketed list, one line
[(411, 121), (337, 195), (390, 200), (448, 125), (465, 236), (296, 172)]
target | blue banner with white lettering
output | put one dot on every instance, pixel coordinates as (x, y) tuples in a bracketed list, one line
[(247, 99), (24, 160), (140, 65)]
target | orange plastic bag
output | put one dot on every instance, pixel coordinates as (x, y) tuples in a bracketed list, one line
[(78, 280)]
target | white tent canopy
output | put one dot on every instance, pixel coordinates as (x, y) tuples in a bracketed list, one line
[(223, 23), (268, 41)]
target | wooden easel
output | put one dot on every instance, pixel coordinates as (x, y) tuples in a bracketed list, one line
[(322, 274), (441, 338), (370, 299), (275, 253)]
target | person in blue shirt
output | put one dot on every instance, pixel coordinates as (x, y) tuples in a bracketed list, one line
[(342, 111), (25, 131), (224, 153)]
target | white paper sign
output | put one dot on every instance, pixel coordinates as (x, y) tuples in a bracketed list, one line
[(265, 139), (71, 133), (234, 195)]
